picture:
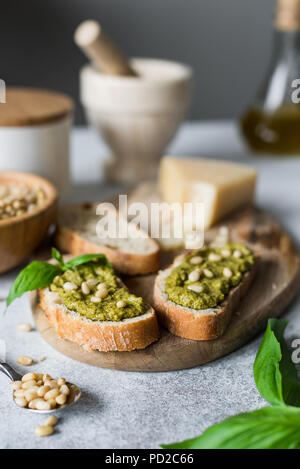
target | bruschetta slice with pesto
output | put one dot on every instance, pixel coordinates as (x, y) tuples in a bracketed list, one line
[(197, 295), (87, 303)]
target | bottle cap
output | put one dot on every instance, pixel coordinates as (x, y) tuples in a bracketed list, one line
[(288, 15)]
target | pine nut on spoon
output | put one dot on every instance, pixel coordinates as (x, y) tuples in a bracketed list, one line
[(36, 401)]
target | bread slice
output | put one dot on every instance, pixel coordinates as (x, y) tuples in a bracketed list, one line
[(76, 234), (204, 324), (105, 336)]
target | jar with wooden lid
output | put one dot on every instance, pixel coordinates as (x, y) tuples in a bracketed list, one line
[(272, 122), (35, 132)]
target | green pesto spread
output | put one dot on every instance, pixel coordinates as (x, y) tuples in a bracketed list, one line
[(107, 309), (235, 258)]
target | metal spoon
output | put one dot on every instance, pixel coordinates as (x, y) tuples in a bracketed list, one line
[(74, 396)]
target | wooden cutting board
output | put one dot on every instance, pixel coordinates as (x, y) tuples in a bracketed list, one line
[(275, 286)]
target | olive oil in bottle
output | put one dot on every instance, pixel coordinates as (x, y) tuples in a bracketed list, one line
[(272, 123)]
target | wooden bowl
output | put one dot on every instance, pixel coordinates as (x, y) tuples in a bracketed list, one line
[(19, 236)]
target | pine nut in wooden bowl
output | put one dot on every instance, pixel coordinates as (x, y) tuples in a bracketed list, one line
[(27, 209)]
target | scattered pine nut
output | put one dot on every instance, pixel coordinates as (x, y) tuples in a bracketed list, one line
[(24, 327), (25, 360), (16, 385), (44, 430), (42, 359), (52, 421)]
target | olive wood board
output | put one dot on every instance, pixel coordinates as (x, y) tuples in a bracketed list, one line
[(276, 284)]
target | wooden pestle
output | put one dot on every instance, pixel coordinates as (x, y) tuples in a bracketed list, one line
[(91, 38)]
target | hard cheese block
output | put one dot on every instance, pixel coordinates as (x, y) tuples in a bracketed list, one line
[(221, 186)]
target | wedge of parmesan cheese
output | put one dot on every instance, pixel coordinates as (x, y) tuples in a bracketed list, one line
[(221, 186)]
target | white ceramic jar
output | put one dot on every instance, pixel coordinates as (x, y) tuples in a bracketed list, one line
[(136, 116), (35, 134)]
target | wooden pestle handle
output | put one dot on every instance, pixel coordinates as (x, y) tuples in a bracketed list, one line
[(91, 38)]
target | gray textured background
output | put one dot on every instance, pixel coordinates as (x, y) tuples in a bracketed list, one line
[(227, 42)]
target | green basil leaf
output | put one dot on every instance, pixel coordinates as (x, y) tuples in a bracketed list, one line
[(267, 428), (36, 275), (57, 255), (274, 372), (288, 370), (266, 369), (86, 258)]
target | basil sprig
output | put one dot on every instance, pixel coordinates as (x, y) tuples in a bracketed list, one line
[(40, 274), (274, 427)]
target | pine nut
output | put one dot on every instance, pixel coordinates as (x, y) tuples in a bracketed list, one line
[(40, 382), (65, 390), (225, 253), (25, 327), (47, 377), (29, 384), (70, 286), (196, 260), (214, 257), (92, 282), (52, 421), (121, 304), (195, 288), (42, 359), (44, 430), (102, 290), (227, 272), (85, 288), (208, 273), (25, 361), (61, 381), (194, 276), (29, 377), (30, 394), (61, 399), (95, 299), (19, 393), (53, 384), (16, 385), (43, 390), (237, 254), (21, 401), (40, 404), (52, 394), (52, 403), (102, 285)]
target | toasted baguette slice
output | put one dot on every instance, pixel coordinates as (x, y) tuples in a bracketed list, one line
[(76, 234), (204, 324), (105, 336)]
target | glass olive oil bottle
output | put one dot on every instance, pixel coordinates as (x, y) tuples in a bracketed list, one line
[(272, 123)]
